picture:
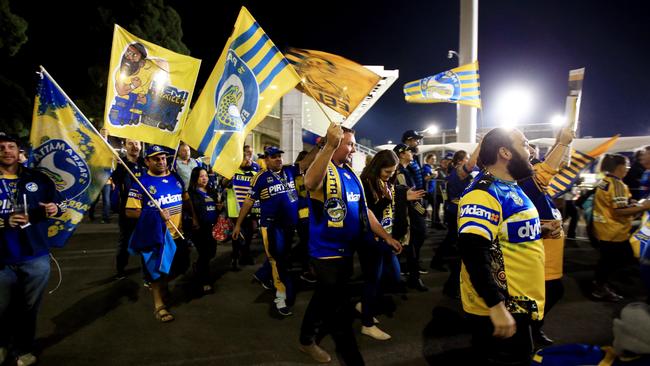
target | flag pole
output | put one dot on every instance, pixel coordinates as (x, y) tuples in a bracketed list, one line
[(317, 102), (115, 154), (175, 154)]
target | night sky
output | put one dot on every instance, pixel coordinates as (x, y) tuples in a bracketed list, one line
[(529, 43)]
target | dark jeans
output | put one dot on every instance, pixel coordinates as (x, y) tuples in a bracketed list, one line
[(330, 310), (106, 203), (241, 248), (126, 227), (489, 350), (377, 260), (613, 255), (302, 249), (448, 246), (21, 290), (206, 246), (412, 251), (571, 212), (554, 292)]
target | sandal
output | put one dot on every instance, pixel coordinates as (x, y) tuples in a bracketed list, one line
[(162, 314)]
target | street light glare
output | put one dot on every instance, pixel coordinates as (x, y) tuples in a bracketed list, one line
[(514, 106), (558, 120)]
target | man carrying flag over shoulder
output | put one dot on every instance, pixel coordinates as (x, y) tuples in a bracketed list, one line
[(163, 264), (248, 80)]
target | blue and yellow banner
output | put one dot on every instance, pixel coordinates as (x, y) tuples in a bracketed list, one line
[(68, 149), (460, 85), (149, 90), (249, 78), (567, 176)]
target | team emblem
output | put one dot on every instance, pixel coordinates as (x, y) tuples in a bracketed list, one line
[(237, 95), (336, 209), (64, 166), (152, 190), (31, 186)]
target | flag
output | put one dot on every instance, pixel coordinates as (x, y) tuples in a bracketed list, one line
[(249, 78), (68, 149), (152, 239), (149, 90), (567, 176), (460, 85), (335, 81)]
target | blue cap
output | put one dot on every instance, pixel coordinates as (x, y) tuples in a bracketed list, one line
[(449, 156), (272, 150), (411, 134), (155, 150)]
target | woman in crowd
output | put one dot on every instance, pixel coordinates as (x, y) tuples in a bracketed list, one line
[(205, 210), (377, 258)]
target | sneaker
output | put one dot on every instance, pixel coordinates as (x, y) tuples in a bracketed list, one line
[(541, 339), (282, 307), (423, 271), (308, 277), (358, 308), (146, 285), (120, 276), (418, 285), (26, 360), (267, 285), (376, 333), (315, 352), (604, 293)]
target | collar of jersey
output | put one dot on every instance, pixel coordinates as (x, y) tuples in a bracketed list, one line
[(612, 176), (154, 175)]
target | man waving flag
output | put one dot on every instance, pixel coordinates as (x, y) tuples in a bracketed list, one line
[(249, 78)]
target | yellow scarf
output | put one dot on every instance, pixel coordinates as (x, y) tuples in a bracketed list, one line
[(334, 196)]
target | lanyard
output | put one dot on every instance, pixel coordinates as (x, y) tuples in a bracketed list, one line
[(12, 192)]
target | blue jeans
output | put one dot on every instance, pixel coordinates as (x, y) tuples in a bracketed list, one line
[(21, 289), (377, 261), (106, 200)]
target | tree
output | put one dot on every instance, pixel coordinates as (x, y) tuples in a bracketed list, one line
[(13, 30)]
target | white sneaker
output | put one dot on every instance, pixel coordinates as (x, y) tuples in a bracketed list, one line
[(375, 333), (26, 360), (358, 308), (3, 354)]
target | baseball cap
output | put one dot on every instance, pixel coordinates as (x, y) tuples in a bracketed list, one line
[(411, 134), (400, 148), (4, 137), (154, 150), (272, 150), (448, 156)]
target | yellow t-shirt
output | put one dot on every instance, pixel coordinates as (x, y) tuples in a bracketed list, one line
[(611, 193), (502, 213)]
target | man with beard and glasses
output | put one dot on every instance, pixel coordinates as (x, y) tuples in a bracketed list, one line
[(132, 84), (500, 242)]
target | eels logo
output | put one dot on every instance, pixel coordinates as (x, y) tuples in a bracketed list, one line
[(237, 95), (445, 86), (336, 209), (65, 167)]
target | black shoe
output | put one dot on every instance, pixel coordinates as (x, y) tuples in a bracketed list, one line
[(120, 276), (604, 293), (540, 338), (418, 285), (234, 266), (267, 285), (308, 277), (284, 311)]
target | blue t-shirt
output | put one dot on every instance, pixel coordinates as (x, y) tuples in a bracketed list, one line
[(327, 241), (13, 252), (210, 207), (431, 184), (456, 186), (277, 195)]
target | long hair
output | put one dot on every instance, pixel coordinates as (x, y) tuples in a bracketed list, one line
[(194, 178), (458, 157), (371, 173)]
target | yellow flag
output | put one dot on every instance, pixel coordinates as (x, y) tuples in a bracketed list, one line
[(149, 90), (249, 78), (333, 80)]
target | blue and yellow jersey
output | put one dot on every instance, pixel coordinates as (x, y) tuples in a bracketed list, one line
[(640, 240), (303, 197), (611, 193), (167, 189), (277, 195), (237, 192), (535, 188), (500, 212)]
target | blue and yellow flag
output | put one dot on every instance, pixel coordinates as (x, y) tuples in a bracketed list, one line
[(460, 85), (149, 90), (249, 78), (567, 176), (68, 149)]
